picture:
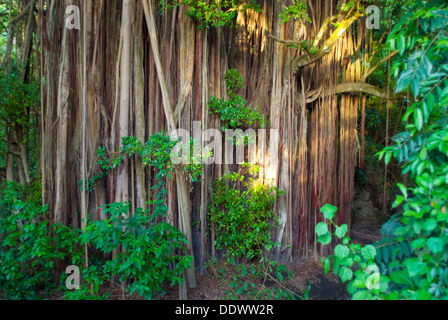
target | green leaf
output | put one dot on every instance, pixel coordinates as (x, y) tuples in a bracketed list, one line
[(346, 274), (430, 224), (362, 295), (368, 252), (403, 190), (387, 157), (418, 243), (418, 119), (327, 265), (401, 277), (385, 254), (423, 295), (329, 211), (341, 231), (401, 44), (435, 244), (423, 154), (415, 87), (341, 251), (415, 267), (321, 228), (324, 239)]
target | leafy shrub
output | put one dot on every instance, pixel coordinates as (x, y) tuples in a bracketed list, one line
[(391, 248), (349, 256), (30, 246), (297, 11), (152, 256), (243, 219), (234, 112)]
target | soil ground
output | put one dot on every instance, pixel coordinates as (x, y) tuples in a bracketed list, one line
[(306, 272)]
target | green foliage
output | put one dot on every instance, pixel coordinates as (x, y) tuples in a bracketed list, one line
[(351, 262), (421, 39), (298, 11), (401, 269), (19, 102), (92, 278), (214, 13), (158, 152), (413, 257), (391, 249), (30, 246), (243, 219), (16, 97), (153, 253), (233, 112)]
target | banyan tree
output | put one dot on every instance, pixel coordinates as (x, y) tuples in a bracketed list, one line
[(113, 69)]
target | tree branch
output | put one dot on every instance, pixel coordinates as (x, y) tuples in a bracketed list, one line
[(370, 71), (354, 87), (22, 14), (293, 42), (307, 59), (324, 28)]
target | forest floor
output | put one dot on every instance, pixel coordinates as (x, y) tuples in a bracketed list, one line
[(307, 272)]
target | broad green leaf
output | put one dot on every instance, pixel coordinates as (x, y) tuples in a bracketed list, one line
[(368, 252), (400, 231), (329, 211), (399, 200), (418, 243), (341, 251), (324, 239), (435, 244), (401, 277), (341, 231), (415, 267), (362, 295), (430, 224), (321, 228), (346, 274), (423, 295)]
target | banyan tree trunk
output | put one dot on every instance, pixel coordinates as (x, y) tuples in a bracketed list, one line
[(148, 72)]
